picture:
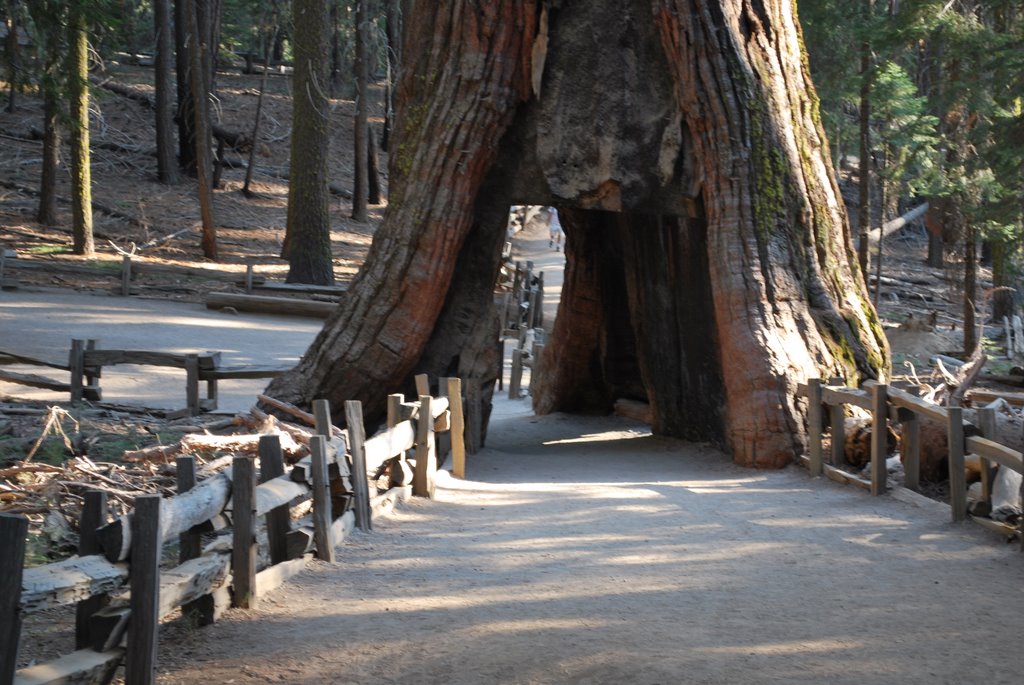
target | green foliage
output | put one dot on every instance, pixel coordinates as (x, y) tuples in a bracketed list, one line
[(907, 128)]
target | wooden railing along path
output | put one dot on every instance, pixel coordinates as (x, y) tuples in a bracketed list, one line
[(116, 582), (86, 362), (890, 404)]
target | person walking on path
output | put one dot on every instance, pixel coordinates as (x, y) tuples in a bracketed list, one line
[(555, 230)]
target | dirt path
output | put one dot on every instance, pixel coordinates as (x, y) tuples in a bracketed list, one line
[(41, 323), (583, 550)]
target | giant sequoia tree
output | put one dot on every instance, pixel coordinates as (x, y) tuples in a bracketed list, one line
[(710, 265)]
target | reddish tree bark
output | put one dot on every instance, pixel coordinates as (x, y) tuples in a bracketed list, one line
[(701, 155), (471, 74)]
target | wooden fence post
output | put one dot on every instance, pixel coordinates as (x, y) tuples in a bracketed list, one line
[(443, 437), (422, 384), (879, 438), (206, 609), (360, 484), (76, 364), (126, 275), (987, 424), (144, 601), (400, 471), (243, 533), (91, 391), (322, 414), (837, 416), (13, 533), (516, 378), (474, 413), (323, 536), (910, 433), (538, 321), (458, 428), (426, 460), (536, 365), (957, 478), (814, 426), (501, 363), (189, 543), (94, 515), (532, 317), (278, 518), (192, 384)]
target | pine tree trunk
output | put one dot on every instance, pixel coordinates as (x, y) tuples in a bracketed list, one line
[(307, 244), (360, 182), (185, 117), (46, 213), (970, 289), (199, 90), (393, 21), (78, 91), (864, 166), (13, 55), (167, 169), (1002, 281)]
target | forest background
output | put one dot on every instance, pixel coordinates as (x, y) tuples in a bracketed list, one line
[(921, 99)]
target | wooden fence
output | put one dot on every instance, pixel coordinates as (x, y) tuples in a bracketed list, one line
[(86, 362), (116, 582), (902, 406), (521, 310)]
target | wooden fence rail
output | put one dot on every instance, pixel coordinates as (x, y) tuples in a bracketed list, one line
[(116, 583), (86, 362), (903, 406)]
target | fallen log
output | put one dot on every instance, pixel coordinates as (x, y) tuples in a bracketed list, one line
[(193, 442), (34, 381), (177, 514), (265, 304), (890, 227), (305, 416), (857, 447)]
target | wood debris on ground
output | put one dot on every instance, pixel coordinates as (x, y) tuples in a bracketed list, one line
[(50, 456)]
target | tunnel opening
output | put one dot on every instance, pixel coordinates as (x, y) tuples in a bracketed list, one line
[(636, 322)]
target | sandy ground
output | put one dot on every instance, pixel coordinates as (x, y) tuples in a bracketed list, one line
[(585, 550), (42, 323)]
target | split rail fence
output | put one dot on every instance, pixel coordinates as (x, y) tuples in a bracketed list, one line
[(116, 582), (86, 362), (902, 406), (521, 310)]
